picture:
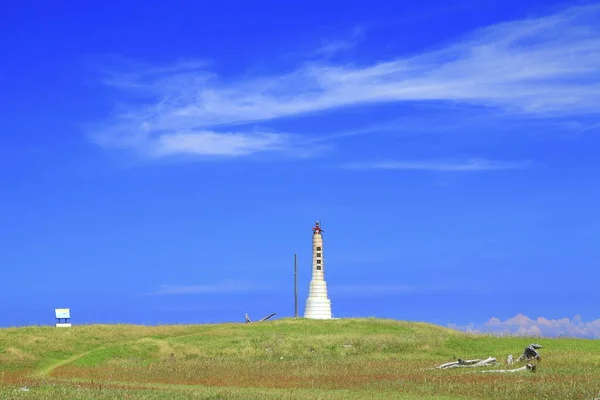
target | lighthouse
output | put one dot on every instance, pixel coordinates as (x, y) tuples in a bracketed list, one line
[(318, 305)]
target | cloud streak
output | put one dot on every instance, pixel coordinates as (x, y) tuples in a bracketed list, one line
[(223, 287), (521, 325), (374, 289), (472, 165), (212, 143), (543, 66)]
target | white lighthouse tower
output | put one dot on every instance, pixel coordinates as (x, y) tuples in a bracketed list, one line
[(318, 305)]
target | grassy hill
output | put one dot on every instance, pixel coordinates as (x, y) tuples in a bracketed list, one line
[(283, 359)]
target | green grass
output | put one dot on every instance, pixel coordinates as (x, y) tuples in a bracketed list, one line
[(283, 359)]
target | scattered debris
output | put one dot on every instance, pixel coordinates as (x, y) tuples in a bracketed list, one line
[(528, 367), (347, 346), (24, 389), (264, 319), (530, 353), (269, 349)]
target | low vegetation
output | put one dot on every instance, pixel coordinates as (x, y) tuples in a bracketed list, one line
[(283, 359)]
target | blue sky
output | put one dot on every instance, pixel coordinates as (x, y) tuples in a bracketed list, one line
[(162, 163)]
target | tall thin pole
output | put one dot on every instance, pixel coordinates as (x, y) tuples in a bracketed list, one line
[(295, 286)]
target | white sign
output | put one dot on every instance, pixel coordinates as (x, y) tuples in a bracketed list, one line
[(63, 313)]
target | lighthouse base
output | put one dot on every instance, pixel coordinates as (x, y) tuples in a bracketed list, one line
[(318, 305)]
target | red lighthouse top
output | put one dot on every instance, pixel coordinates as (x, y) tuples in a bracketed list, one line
[(317, 228)]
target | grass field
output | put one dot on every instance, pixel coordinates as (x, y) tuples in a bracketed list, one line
[(284, 359)]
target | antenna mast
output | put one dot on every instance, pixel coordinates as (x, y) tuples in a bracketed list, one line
[(295, 286)]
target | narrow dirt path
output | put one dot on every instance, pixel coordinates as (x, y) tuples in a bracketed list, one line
[(46, 371)]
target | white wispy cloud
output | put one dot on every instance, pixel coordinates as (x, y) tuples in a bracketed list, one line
[(521, 325), (332, 47), (335, 46), (543, 66), (438, 166), (222, 287)]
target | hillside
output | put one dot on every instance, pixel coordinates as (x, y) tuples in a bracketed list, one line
[(288, 358)]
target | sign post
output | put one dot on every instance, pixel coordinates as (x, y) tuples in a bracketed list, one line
[(62, 314)]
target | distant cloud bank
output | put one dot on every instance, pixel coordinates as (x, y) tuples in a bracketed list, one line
[(521, 325)]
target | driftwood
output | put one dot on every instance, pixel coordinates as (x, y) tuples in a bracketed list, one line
[(485, 363), (468, 363), (264, 319), (267, 317), (528, 367), (459, 362), (530, 353)]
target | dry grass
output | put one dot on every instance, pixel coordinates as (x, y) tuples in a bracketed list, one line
[(351, 358)]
